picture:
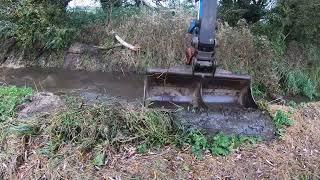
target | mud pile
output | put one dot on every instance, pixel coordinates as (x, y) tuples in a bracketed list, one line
[(243, 122)]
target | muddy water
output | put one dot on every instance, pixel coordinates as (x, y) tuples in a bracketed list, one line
[(88, 84), (110, 87)]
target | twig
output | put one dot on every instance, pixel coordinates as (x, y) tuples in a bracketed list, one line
[(125, 44)]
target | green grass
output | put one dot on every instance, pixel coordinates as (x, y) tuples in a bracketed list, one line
[(282, 120), (10, 97)]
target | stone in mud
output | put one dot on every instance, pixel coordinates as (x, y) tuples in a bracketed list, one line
[(40, 104)]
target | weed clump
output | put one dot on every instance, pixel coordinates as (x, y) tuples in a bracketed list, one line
[(281, 120), (10, 97), (219, 144), (86, 128)]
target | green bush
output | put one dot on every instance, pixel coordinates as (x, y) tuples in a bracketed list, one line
[(219, 144), (298, 82), (36, 24), (198, 142), (79, 17), (281, 120)]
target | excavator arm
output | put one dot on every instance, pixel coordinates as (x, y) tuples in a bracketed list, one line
[(204, 32), (199, 83)]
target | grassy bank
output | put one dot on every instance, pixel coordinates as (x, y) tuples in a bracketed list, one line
[(86, 140)]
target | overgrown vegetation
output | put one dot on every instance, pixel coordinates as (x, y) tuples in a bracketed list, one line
[(97, 129), (275, 42), (91, 135), (36, 25), (10, 97), (219, 144)]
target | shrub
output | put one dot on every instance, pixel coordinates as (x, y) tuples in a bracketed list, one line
[(298, 82), (36, 24), (281, 120)]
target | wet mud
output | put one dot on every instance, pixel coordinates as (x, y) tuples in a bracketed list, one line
[(242, 122)]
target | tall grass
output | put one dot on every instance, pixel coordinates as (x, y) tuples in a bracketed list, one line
[(161, 36), (239, 50)]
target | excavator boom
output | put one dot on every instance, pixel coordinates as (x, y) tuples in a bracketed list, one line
[(199, 83)]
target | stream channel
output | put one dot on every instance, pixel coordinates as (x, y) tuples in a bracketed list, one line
[(128, 87)]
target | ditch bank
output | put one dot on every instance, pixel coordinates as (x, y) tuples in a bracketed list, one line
[(111, 88)]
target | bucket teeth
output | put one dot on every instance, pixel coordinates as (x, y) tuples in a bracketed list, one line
[(175, 87)]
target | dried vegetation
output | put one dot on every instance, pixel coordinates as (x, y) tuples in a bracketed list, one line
[(160, 35), (101, 142)]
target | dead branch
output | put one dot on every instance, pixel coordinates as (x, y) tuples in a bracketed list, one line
[(125, 44)]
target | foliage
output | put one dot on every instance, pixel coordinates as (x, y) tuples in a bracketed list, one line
[(302, 20), (294, 22), (219, 144), (297, 82), (223, 145), (38, 25), (81, 17), (108, 4), (10, 97), (111, 125), (23, 130), (161, 36), (252, 11), (259, 91), (154, 127), (281, 120), (241, 51), (142, 148), (199, 143), (92, 127), (99, 159)]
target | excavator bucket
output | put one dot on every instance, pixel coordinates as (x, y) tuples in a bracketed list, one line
[(179, 87)]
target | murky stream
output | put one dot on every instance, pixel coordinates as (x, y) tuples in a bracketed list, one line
[(127, 86), (99, 86)]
